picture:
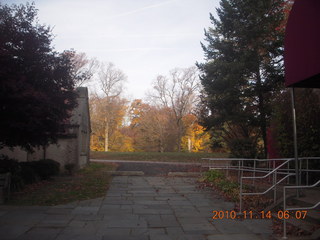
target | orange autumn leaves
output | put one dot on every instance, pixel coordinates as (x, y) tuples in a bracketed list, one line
[(143, 127)]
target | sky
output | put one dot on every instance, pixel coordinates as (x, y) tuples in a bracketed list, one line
[(143, 38)]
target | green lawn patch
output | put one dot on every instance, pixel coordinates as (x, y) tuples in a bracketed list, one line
[(216, 179), (156, 156), (230, 189), (87, 183)]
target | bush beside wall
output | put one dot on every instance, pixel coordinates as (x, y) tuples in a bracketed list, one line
[(28, 172)]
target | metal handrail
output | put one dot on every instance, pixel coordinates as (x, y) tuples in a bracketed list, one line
[(262, 193), (277, 170), (246, 159), (300, 208), (274, 170), (240, 165), (249, 169), (275, 182)]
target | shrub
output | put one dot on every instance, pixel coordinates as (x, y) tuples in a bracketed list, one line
[(229, 188), (46, 168), (28, 172), (213, 175), (243, 148), (11, 165), (70, 167)]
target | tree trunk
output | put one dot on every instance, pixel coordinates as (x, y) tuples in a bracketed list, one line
[(179, 123), (263, 115), (106, 138), (189, 144), (44, 147), (161, 148)]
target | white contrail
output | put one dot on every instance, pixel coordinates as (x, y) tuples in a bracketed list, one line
[(135, 49), (142, 9)]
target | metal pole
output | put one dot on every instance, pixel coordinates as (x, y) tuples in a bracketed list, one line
[(307, 172), (239, 174), (300, 171), (295, 138), (288, 167), (240, 202), (269, 169), (227, 170), (284, 220), (254, 172), (275, 187)]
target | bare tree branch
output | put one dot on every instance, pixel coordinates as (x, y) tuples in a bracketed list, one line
[(179, 92)]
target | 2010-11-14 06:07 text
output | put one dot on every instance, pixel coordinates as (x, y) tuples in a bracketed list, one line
[(259, 215)]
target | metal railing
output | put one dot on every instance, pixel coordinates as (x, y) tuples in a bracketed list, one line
[(270, 169), (214, 164), (298, 208), (274, 173), (304, 166)]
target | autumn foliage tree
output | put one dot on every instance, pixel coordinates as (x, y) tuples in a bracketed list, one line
[(196, 138), (179, 93), (151, 127), (36, 83), (107, 116), (108, 109)]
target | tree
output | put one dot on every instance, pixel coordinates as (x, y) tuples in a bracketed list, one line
[(178, 92), (36, 83), (151, 126), (243, 68), (107, 115), (111, 80), (196, 139), (110, 107), (308, 123), (84, 68)]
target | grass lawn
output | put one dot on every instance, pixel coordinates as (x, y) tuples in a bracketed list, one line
[(155, 156), (87, 183)]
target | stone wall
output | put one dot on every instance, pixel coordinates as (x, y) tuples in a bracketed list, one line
[(73, 147), (64, 152)]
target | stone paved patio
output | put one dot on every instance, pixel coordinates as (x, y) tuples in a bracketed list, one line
[(135, 208)]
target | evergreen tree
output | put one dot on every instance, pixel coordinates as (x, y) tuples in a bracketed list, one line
[(243, 69)]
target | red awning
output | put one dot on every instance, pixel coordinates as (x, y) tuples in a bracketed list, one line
[(302, 45)]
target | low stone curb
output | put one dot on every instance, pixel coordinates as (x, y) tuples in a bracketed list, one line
[(184, 174), (125, 173)]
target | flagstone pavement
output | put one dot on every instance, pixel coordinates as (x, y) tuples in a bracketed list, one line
[(134, 208)]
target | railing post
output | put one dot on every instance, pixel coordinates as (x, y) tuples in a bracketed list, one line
[(254, 172), (295, 144), (300, 171), (241, 168), (240, 200), (288, 170), (239, 171), (227, 170), (307, 180), (269, 169), (284, 209), (275, 187)]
